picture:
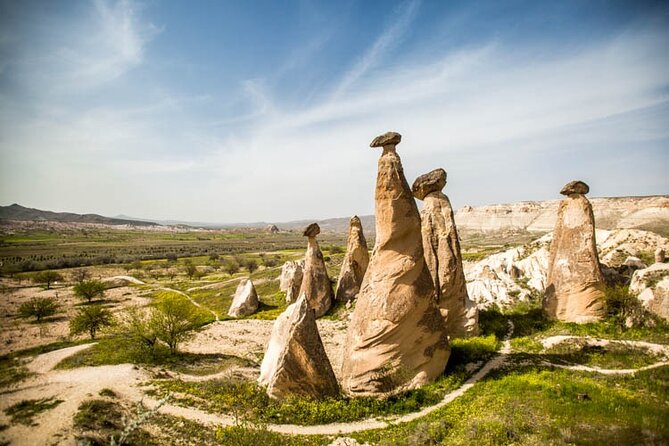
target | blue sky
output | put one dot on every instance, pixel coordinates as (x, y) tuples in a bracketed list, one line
[(230, 111)]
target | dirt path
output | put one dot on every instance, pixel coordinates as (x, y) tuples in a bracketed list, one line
[(191, 300), (76, 385)]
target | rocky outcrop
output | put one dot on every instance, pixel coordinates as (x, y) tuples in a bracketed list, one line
[(651, 285), (443, 257), (397, 338), (649, 213), (295, 362), (290, 280), (616, 246), (575, 284), (245, 302), (519, 274), (315, 281), (272, 229), (354, 264), (659, 255)]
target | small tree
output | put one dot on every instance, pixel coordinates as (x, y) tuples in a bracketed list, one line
[(138, 325), (190, 268), (231, 267), (79, 275), (90, 320), (89, 289), (47, 277), (39, 308), (252, 266), (213, 257), (174, 320)]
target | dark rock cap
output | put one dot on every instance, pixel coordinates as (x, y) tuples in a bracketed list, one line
[(387, 139), (312, 230), (355, 221), (575, 187), (430, 182)]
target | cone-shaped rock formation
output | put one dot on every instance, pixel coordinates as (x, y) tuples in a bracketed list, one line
[(397, 338), (575, 284), (290, 280), (295, 362), (355, 262), (315, 281), (443, 257), (245, 301)]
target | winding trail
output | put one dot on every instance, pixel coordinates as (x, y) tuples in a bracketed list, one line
[(191, 301), (76, 385)]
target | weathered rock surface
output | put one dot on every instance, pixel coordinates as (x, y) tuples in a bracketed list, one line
[(652, 287), (290, 280), (648, 213), (272, 229), (245, 301), (397, 338), (519, 273), (315, 281), (443, 257), (575, 284), (659, 255), (354, 264), (295, 362)]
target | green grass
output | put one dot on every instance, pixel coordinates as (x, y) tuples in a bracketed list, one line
[(248, 401), (536, 407), (25, 411), (99, 419), (111, 351), (612, 356), (170, 428)]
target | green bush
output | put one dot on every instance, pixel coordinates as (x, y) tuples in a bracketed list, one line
[(39, 308), (91, 320), (89, 289), (47, 277), (622, 308)]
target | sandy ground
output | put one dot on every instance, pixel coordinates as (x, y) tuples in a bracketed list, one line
[(231, 337), (249, 338), (18, 333)]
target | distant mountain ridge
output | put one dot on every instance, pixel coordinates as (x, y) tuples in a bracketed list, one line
[(645, 212), (21, 213)]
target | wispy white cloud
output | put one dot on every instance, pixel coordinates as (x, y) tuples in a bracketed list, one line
[(403, 17), (497, 117)]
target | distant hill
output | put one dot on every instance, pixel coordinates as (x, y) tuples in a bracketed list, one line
[(21, 213)]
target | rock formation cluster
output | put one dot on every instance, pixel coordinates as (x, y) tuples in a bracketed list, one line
[(397, 338), (315, 281), (354, 264), (295, 362), (443, 257), (290, 280), (575, 284), (245, 301)]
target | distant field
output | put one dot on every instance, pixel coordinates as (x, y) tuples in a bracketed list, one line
[(27, 250)]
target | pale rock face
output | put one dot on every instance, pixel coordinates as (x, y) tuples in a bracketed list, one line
[(397, 339), (616, 246), (290, 280), (355, 263), (575, 284), (540, 216), (315, 281), (443, 257), (651, 285), (516, 274), (245, 301), (295, 362)]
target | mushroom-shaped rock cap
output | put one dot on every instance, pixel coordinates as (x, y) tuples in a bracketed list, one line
[(387, 139), (355, 221), (575, 187), (430, 182), (312, 230)]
